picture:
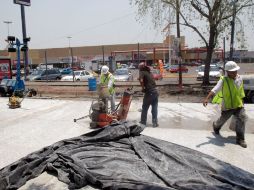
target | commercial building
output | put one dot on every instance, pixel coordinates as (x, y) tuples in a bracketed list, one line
[(124, 53)]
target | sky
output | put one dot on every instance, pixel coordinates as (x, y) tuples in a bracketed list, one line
[(49, 23)]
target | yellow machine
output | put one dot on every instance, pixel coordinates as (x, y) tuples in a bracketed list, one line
[(18, 96), (14, 102)]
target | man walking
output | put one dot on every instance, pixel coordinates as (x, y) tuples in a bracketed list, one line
[(229, 91), (151, 94)]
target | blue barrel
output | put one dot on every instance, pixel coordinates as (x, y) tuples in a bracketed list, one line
[(92, 84)]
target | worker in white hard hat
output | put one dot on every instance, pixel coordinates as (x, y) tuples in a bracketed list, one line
[(108, 80), (230, 93)]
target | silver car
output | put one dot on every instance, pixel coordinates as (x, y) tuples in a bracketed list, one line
[(123, 75), (50, 74), (214, 74)]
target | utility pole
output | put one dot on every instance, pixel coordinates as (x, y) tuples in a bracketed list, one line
[(25, 58), (8, 23), (70, 50), (71, 54), (46, 62), (69, 38), (23, 3), (232, 31), (138, 54), (179, 43), (169, 40), (103, 56)]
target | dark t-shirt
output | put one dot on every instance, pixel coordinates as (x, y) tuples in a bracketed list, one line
[(149, 82)]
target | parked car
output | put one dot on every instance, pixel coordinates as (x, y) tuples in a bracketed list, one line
[(132, 66), (124, 66), (156, 74), (76, 68), (166, 66), (81, 75), (123, 75), (50, 74), (176, 69), (192, 64), (214, 74), (7, 87), (66, 71), (248, 86)]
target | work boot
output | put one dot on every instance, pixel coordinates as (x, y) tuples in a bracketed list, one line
[(155, 124), (241, 142), (142, 123), (216, 130)]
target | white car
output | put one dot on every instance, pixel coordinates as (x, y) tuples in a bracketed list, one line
[(81, 75), (248, 86), (214, 74)]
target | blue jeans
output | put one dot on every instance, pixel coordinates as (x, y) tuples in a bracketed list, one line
[(150, 98)]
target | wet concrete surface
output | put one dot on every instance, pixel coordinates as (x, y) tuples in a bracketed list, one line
[(42, 122), (192, 116)]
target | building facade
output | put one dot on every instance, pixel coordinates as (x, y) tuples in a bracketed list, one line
[(168, 51)]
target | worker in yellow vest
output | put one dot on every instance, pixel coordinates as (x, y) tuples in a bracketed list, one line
[(230, 93), (108, 80)]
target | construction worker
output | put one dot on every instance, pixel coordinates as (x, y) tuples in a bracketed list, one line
[(230, 93), (118, 65), (151, 94), (108, 80), (160, 66)]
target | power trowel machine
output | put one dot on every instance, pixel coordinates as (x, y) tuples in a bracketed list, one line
[(101, 115)]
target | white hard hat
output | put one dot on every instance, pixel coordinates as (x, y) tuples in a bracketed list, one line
[(104, 69), (231, 66)]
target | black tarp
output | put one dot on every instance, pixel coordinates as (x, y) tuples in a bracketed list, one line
[(118, 157)]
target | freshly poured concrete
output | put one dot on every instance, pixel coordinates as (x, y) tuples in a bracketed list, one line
[(42, 122)]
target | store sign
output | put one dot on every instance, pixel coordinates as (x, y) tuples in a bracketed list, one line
[(23, 2), (5, 68)]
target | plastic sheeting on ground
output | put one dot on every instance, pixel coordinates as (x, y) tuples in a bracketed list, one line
[(118, 157)]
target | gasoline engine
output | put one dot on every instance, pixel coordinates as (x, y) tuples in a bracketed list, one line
[(101, 115)]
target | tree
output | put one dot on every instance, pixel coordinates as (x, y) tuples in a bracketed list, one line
[(215, 16)]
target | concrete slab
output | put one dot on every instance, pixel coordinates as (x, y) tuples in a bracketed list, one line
[(42, 122)]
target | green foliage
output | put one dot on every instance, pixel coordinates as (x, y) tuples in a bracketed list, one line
[(215, 16)]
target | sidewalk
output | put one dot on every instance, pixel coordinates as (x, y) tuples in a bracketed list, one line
[(42, 122)]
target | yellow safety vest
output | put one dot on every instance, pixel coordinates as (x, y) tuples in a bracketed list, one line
[(231, 95), (105, 80)]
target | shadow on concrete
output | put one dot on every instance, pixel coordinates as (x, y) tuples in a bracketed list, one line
[(219, 140)]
